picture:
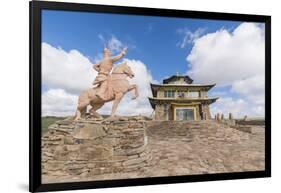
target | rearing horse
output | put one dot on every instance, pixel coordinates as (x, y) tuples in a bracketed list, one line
[(119, 86)]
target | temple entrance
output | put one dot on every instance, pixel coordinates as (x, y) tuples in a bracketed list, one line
[(185, 114)]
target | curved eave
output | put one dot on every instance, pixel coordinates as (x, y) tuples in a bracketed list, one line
[(154, 100), (156, 87)]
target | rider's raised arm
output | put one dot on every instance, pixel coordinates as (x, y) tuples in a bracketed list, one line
[(97, 67), (119, 56)]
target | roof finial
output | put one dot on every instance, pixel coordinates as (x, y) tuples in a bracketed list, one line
[(178, 73)]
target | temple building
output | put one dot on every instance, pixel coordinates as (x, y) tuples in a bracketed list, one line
[(178, 99)]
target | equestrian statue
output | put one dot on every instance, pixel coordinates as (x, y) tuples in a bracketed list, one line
[(109, 85)]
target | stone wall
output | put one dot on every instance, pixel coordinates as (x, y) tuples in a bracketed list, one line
[(160, 112), (91, 147)]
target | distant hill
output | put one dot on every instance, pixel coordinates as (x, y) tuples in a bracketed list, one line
[(48, 120)]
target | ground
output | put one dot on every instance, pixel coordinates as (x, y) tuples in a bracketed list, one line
[(194, 147), (205, 148)]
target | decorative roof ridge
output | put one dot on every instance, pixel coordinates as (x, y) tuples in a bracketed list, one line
[(187, 78)]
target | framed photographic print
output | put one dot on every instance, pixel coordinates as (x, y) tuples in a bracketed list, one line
[(125, 96)]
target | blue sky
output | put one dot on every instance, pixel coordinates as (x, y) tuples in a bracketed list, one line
[(150, 39), (228, 53)]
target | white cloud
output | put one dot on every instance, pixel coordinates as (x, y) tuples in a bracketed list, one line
[(113, 43), (66, 74), (226, 105), (189, 36), (218, 93), (57, 102), (225, 57), (235, 59), (71, 70), (252, 88), (238, 107)]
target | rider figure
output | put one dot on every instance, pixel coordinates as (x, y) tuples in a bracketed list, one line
[(104, 68)]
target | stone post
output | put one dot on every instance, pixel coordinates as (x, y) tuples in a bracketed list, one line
[(231, 120), (230, 116), (218, 117), (222, 117)]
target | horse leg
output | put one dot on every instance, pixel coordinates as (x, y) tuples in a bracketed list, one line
[(95, 107), (77, 115), (118, 97), (136, 90), (81, 110)]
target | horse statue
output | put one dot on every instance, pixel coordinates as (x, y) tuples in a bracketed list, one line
[(117, 87)]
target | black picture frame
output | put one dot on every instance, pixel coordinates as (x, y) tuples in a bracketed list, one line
[(36, 7)]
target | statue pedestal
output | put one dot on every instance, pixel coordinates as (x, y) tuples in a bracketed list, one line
[(90, 147)]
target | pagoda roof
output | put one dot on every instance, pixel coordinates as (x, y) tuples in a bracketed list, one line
[(155, 87), (187, 79), (154, 100)]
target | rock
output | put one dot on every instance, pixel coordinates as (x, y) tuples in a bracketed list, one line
[(135, 161), (95, 152), (89, 131), (128, 152), (123, 119), (59, 173), (67, 121), (54, 165), (68, 140), (77, 171), (48, 154)]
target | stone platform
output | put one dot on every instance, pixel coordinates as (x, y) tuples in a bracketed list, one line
[(171, 148), (92, 147)]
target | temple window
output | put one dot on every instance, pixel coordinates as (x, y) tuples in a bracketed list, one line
[(169, 94), (193, 94)]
